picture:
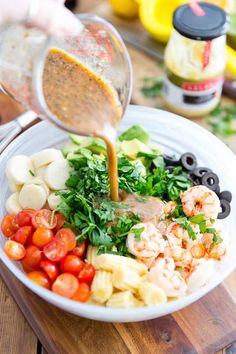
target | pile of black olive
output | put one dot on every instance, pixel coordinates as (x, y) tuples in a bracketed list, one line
[(201, 176)]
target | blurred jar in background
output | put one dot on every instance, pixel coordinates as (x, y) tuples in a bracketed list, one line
[(125, 8), (195, 59), (228, 5)]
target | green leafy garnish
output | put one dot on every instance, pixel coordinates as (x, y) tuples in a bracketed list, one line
[(32, 173), (137, 232), (222, 120), (184, 222), (152, 87)]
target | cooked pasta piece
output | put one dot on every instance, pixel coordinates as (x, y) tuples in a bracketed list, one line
[(91, 255), (110, 261), (102, 286), (123, 299), (124, 278), (151, 294)]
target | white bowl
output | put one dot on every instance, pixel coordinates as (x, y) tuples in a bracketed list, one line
[(177, 135)]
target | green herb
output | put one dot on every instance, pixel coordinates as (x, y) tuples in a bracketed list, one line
[(165, 185), (137, 233), (32, 173), (222, 120), (135, 132), (184, 222), (152, 87), (197, 219)]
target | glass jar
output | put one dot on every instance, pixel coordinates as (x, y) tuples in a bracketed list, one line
[(99, 48), (195, 59)]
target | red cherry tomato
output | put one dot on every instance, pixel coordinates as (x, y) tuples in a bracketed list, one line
[(65, 285), (82, 294), (9, 225), (55, 250), (32, 258), (87, 274), (50, 268), (44, 218), (60, 221), (68, 237), (42, 237), (24, 217), (22, 234), (14, 250), (40, 278), (71, 264), (79, 250)]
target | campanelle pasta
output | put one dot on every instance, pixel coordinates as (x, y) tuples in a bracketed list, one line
[(124, 299), (151, 294), (125, 279), (102, 286), (110, 261), (91, 255)]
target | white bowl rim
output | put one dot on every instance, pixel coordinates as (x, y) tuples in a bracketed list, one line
[(113, 314)]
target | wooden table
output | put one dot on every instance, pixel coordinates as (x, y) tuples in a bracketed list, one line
[(16, 336)]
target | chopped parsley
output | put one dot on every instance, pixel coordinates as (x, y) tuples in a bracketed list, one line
[(31, 173)]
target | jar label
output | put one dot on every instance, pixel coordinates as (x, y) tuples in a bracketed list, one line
[(192, 95)]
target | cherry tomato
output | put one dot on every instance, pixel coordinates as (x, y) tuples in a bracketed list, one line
[(14, 250), (24, 217), (9, 225), (65, 285), (43, 218), (50, 268), (40, 278), (32, 258), (55, 250), (82, 294), (68, 237), (22, 234), (71, 264), (87, 274), (79, 250), (42, 237), (60, 221)]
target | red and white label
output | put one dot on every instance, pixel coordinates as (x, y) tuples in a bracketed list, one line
[(197, 9), (201, 86)]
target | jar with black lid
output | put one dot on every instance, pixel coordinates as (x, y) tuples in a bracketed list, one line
[(195, 59)]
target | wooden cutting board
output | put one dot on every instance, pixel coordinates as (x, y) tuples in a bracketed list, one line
[(207, 326)]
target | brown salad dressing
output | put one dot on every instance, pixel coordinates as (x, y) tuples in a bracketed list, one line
[(84, 101)]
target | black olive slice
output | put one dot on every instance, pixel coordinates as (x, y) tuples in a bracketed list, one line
[(210, 180), (170, 160), (217, 191), (226, 195), (188, 161), (200, 171), (225, 209)]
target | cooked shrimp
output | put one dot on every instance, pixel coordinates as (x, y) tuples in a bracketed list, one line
[(163, 274), (200, 200), (200, 276), (182, 257), (151, 241), (180, 233), (169, 207), (215, 250)]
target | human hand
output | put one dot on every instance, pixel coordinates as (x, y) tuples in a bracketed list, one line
[(50, 16)]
